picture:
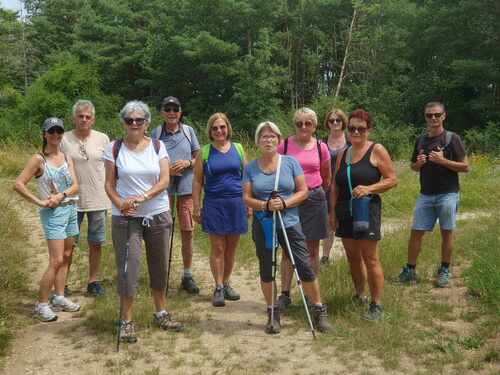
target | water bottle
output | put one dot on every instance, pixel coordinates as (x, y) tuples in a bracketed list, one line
[(361, 214)]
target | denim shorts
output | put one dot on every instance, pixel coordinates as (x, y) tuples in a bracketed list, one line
[(430, 208), (96, 229), (59, 223)]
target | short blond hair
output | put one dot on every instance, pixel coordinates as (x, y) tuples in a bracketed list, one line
[(216, 116), (267, 125)]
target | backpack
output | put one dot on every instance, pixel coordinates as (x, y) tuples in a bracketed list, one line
[(118, 145), (318, 145), (205, 153), (448, 134), (157, 132)]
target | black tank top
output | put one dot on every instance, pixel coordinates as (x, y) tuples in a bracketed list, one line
[(362, 173)]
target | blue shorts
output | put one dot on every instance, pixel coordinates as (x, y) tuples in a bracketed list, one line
[(429, 208), (96, 229), (59, 223)]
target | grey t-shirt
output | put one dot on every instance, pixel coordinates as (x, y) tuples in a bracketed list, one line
[(180, 146), (263, 184)]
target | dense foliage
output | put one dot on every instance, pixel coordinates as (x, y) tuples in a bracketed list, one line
[(254, 59)]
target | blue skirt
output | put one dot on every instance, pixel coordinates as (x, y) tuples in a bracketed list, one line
[(224, 216)]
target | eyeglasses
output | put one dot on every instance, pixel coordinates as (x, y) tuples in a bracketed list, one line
[(56, 129), (138, 120), (334, 120), (171, 109), (434, 115), (83, 151), (301, 124), (85, 117), (358, 129)]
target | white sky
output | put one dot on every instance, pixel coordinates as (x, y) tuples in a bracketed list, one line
[(11, 4)]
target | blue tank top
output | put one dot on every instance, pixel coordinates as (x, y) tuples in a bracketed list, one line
[(222, 173)]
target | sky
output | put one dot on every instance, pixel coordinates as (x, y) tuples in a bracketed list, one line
[(11, 4)]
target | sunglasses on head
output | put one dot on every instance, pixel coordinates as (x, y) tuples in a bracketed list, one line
[(359, 129), (434, 115), (56, 129), (171, 109), (334, 120), (138, 120)]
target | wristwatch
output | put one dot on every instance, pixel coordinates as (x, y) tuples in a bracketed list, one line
[(146, 197)]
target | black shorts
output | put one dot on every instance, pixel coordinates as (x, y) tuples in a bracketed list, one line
[(345, 230)]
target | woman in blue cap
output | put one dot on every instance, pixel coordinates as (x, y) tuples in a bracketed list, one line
[(57, 186)]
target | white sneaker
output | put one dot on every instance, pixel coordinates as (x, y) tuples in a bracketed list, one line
[(44, 313), (62, 303)]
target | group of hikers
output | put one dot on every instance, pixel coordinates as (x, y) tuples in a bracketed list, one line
[(300, 190)]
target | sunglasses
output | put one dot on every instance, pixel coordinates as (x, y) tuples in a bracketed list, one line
[(300, 124), (171, 109), (358, 129), (434, 115), (221, 128), (56, 129), (138, 120), (334, 120)]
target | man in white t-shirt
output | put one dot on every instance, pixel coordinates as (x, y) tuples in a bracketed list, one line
[(86, 147)]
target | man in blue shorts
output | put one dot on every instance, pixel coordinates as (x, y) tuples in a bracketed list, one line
[(86, 146), (182, 147), (438, 156)]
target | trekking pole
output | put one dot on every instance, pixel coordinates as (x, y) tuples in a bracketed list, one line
[(273, 267), (171, 243), (299, 282), (124, 279)]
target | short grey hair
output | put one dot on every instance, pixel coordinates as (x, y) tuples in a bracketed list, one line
[(135, 106), (83, 103), (267, 125), (306, 111)]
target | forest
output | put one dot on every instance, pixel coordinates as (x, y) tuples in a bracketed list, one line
[(255, 60)]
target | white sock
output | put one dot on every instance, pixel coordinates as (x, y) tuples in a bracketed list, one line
[(158, 314), (187, 272), (58, 298)]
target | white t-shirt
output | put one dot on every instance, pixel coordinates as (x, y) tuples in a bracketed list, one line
[(89, 168), (137, 173)]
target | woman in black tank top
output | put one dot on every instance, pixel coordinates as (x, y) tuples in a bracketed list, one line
[(371, 173)]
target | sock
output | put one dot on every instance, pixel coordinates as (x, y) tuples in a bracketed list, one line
[(286, 293), (318, 304), (158, 314), (42, 304), (411, 266), (445, 265), (58, 298), (187, 273)]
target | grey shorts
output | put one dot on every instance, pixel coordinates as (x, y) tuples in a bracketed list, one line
[(96, 228), (127, 234), (313, 214), (298, 247)]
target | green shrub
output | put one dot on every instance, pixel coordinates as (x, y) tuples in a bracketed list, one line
[(483, 141)]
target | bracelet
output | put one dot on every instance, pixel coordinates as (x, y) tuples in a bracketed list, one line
[(190, 164), (146, 196)]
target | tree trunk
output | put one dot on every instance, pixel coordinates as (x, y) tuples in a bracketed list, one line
[(344, 62)]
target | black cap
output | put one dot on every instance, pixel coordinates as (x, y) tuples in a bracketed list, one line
[(170, 100), (52, 122)]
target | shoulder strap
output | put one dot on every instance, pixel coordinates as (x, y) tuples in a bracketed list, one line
[(348, 159), (156, 145), (447, 138), (241, 153), (156, 133), (285, 146), (186, 132), (116, 150), (205, 152), (318, 145)]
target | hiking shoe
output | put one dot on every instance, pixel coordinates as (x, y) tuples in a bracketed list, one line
[(230, 294), (320, 318), (166, 323), (359, 300), (407, 275), (94, 289), (324, 260), (62, 303), (218, 297), (44, 313), (127, 332), (283, 302), (67, 291), (188, 284), (375, 312), (443, 277), (273, 325)]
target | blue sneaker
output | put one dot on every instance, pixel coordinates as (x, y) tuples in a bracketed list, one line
[(94, 289), (407, 275), (443, 277)]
